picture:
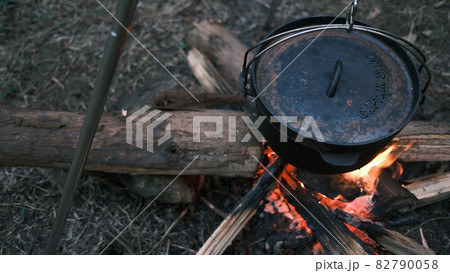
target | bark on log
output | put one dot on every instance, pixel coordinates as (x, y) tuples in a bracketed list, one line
[(48, 139), (430, 189)]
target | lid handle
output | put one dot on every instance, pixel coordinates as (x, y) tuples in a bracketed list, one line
[(336, 78)]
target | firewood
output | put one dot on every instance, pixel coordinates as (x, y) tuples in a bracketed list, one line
[(224, 50), (391, 196), (430, 189), (47, 139), (181, 100), (333, 235), (206, 73), (431, 141), (391, 240), (242, 213), (329, 185)]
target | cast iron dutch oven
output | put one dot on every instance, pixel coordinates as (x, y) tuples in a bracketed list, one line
[(359, 87)]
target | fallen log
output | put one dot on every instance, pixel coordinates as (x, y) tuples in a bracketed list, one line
[(47, 139), (430, 189), (242, 213)]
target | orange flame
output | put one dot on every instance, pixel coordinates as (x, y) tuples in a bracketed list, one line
[(368, 175)]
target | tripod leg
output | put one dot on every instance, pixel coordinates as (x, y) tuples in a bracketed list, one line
[(111, 56)]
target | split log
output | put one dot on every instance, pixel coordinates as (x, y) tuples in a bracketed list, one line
[(211, 80), (48, 139), (224, 50), (206, 73), (431, 141), (242, 213), (391, 240), (333, 235), (430, 189)]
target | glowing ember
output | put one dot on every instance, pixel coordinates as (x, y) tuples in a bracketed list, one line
[(367, 178), (278, 204)]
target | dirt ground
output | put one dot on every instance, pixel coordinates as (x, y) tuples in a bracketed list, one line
[(49, 54)]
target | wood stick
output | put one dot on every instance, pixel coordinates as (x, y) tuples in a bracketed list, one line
[(334, 236), (393, 241), (242, 213), (430, 189), (47, 139)]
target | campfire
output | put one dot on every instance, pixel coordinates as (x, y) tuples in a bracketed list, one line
[(361, 207), (336, 214)]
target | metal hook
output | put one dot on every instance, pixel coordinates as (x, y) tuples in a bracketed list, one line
[(351, 16)]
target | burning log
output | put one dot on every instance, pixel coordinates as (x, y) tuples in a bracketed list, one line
[(334, 236), (48, 139), (330, 185), (284, 240), (393, 241), (430, 189), (391, 196), (242, 213)]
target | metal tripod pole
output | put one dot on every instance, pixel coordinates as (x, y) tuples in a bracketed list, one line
[(111, 56)]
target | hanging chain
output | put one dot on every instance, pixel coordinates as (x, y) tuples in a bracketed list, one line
[(351, 15)]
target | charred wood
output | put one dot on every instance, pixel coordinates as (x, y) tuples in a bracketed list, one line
[(242, 213)]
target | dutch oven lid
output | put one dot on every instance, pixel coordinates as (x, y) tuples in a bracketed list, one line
[(358, 87)]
